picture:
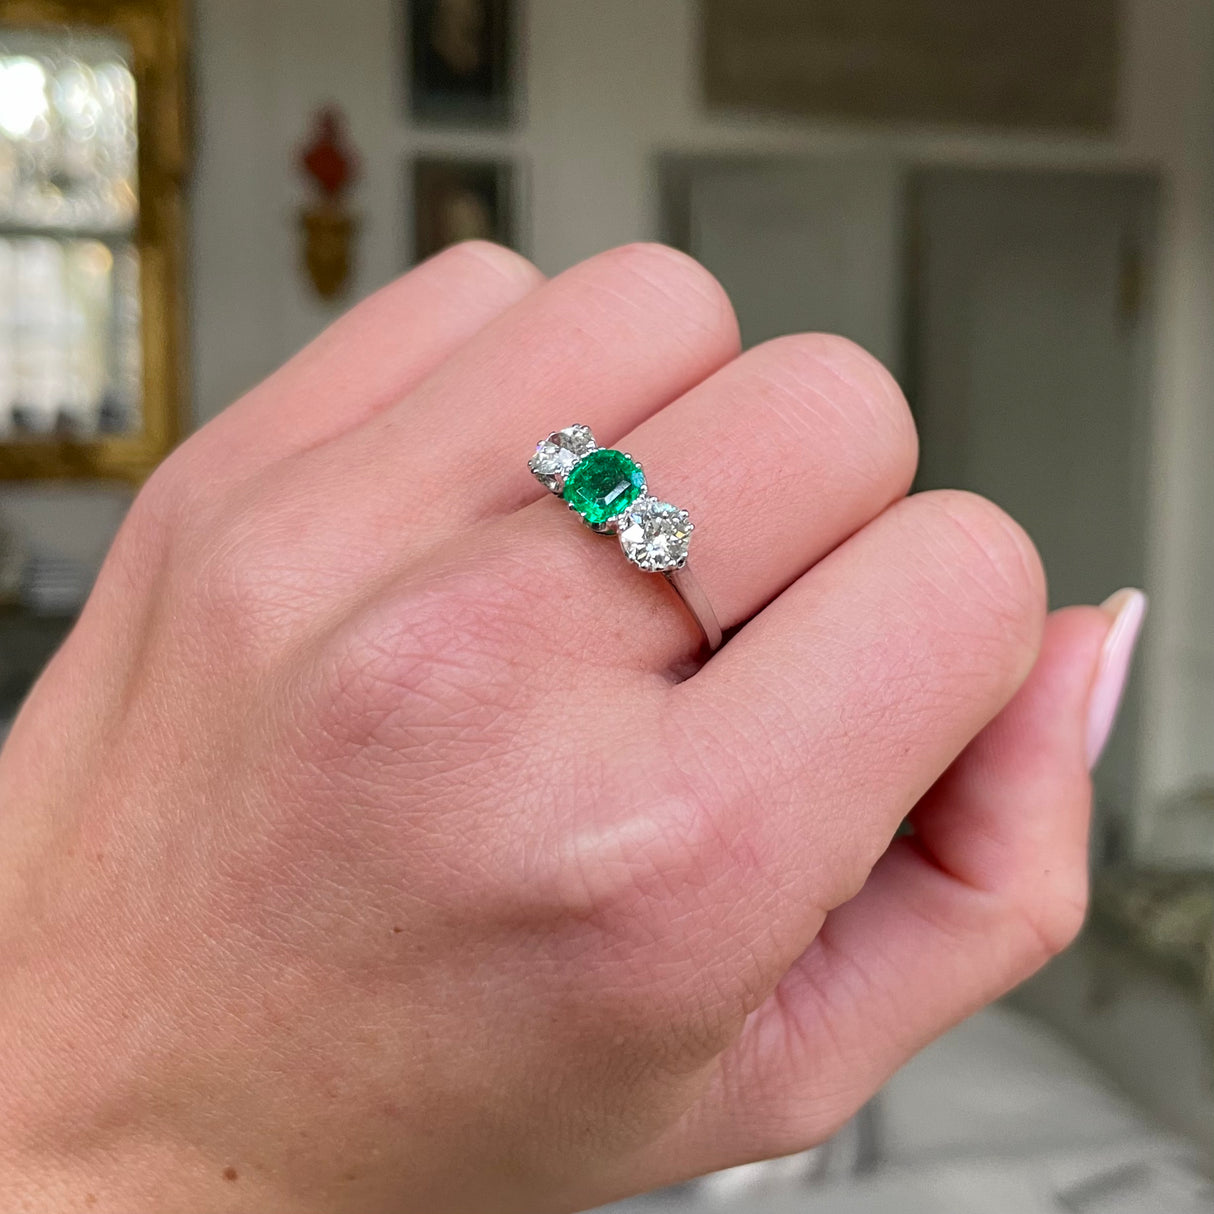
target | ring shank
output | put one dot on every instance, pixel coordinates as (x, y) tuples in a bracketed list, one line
[(687, 587)]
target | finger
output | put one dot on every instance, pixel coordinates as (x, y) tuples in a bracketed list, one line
[(371, 358), (608, 343), (809, 738), (779, 457), (320, 532), (992, 885)]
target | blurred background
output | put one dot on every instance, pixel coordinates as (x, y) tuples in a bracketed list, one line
[(1011, 202)]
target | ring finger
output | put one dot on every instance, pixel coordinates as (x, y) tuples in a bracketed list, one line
[(779, 458), (612, 341)]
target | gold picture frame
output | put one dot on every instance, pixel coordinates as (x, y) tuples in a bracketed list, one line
[(155, 31)]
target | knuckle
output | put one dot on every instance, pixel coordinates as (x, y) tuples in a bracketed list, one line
[(167, 493), (427, 665), (640, 882), (157, 506), (644, 898), (474, 269), (242, 584), (854, 367), (1052, 911), (677, 281), (834, 382), (993, 559), (624, 875), (163, 509), (1039, 904), (481, 258)]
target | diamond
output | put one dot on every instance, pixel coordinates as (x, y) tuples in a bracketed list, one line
[(557, 456), (656, 536), (604, 485)]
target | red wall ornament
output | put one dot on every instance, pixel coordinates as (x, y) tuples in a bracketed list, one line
[(331, 166)]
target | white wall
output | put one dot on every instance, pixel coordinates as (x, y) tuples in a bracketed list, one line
[(609, 85)]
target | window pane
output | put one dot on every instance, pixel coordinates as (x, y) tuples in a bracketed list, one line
[(69, 338), (68, 138), (70, 352)]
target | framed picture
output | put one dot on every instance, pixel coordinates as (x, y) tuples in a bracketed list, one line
[(456, 200), (462, 58), (1004, 63)]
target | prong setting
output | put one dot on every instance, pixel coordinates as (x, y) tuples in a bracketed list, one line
[(608, 490), (603, 486), (656, 536), (557, 456)]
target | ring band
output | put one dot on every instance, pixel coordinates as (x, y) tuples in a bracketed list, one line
[(608, 490)]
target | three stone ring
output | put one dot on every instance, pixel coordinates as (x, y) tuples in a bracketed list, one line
[(608, 490)]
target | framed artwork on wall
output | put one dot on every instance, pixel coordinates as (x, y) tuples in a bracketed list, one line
[(457, 199), (1033, 64), (462, 61)]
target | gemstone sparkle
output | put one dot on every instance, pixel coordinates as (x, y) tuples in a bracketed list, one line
[(557, 456), (656, 536), (603, 485)]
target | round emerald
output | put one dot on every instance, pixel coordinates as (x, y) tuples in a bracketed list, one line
[(604, 485)]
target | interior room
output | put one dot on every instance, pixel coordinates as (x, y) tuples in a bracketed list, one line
[(1011, 205)]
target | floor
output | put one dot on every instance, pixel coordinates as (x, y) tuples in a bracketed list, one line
[(1000, 1117)]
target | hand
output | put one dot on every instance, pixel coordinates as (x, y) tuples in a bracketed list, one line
[(367, 849)]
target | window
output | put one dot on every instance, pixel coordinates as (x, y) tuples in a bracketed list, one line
[(92, 160), (69, 266)]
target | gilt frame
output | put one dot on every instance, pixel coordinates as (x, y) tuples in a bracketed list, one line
[(155, 31)]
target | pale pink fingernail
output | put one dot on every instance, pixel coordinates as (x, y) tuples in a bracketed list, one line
[(1128, 609)]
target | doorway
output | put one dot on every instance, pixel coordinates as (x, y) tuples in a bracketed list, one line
[(1014, 307)]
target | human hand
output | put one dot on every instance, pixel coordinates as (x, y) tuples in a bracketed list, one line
[(368, 849)]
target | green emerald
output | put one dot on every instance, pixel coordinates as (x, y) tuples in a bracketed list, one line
[(603, 485)]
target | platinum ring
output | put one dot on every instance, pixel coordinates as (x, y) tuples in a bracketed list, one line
[(608, 490)]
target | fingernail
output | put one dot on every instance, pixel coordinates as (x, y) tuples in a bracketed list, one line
[(1128, 609)]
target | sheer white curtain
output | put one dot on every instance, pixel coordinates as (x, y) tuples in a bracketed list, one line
[(69, 271)]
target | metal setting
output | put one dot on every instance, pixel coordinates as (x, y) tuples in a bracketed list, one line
[(687, 587), (654, 535)]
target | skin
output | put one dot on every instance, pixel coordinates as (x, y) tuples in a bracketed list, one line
[(376, 842)]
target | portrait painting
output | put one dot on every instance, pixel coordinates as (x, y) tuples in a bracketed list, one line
[(456, 200), (461, 53)]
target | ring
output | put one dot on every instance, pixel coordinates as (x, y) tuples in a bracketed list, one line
[(608, 490)]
